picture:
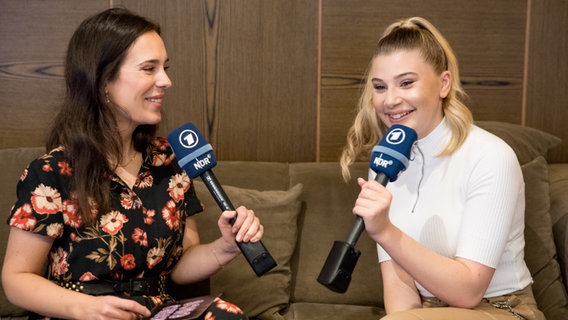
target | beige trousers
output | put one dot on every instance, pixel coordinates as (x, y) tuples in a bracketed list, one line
[(517, 305)]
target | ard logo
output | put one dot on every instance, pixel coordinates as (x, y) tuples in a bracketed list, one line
[(396, 136), (188, 139)]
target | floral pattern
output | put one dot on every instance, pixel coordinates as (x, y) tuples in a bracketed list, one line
[(221, 309), (129, 241)]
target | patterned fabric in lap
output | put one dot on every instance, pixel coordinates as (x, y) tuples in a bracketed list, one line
[(223, 310)]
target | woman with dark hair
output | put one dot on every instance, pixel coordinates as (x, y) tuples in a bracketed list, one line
[(449, 230), (107, 208)]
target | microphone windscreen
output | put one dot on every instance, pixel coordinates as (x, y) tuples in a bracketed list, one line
[(391, 155), (192, 151)]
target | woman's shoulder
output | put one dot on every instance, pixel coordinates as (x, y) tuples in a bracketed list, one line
[(53, 158), (489, 146), (51, 168), (486, 139)]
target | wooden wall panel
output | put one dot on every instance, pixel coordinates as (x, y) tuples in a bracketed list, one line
[(245, 73), (33, 40), (547, 81), (488, 37), (276, 119)]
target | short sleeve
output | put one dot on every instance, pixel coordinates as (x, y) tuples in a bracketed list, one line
[(42, 196)]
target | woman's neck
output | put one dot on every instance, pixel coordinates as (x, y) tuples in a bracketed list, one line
[(130, 164)]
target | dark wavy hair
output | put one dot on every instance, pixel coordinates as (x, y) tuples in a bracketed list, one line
[(85, 126)]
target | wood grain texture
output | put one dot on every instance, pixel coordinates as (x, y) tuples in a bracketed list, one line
[(245, 74), (547, 81), (487, 36), (253, 76), (33, 41)]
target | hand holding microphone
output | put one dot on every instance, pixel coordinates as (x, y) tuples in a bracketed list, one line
[(196, 158), (390, 157)]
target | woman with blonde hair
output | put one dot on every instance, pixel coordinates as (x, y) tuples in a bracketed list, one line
[(450, 229)]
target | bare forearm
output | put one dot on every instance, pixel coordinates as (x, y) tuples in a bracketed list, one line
[(35, 293), (202, 261), (451, 280), (399, 290)]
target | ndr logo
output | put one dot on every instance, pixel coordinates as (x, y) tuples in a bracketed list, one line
[(202, 163), (396, 136), (188, 139), (380, 162)]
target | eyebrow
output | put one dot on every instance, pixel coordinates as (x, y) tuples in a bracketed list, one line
[(154, 61), (402, 75)]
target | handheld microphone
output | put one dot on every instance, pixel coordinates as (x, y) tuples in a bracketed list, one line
[(196, 158), (390, 157)]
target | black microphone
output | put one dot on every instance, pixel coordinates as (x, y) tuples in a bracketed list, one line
[(196, 158), (390, 157)]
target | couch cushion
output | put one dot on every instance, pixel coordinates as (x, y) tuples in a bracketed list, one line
[(540, 251), (278, 211), (14, 162), (528, 143)]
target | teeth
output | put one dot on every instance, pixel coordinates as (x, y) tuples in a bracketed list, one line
[(399, 115), (154, 100)]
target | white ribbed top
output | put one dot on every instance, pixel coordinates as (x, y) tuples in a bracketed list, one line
[(470, 205)]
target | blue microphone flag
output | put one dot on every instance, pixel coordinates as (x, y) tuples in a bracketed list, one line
[(391, 155), (389, 158), (196, 157), (192, 151)]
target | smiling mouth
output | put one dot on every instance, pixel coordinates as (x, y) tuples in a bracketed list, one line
[(156, 100), (398, 116)]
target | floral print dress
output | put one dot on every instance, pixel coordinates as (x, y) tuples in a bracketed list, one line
[(141, 236)]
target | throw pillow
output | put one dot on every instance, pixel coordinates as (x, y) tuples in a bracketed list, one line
[(528, 143), (278, 212), (540, 251)]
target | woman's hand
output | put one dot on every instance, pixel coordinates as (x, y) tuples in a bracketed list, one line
[(373, 205), (111, 307), (22, 280), (200, 261), (246, 227)]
